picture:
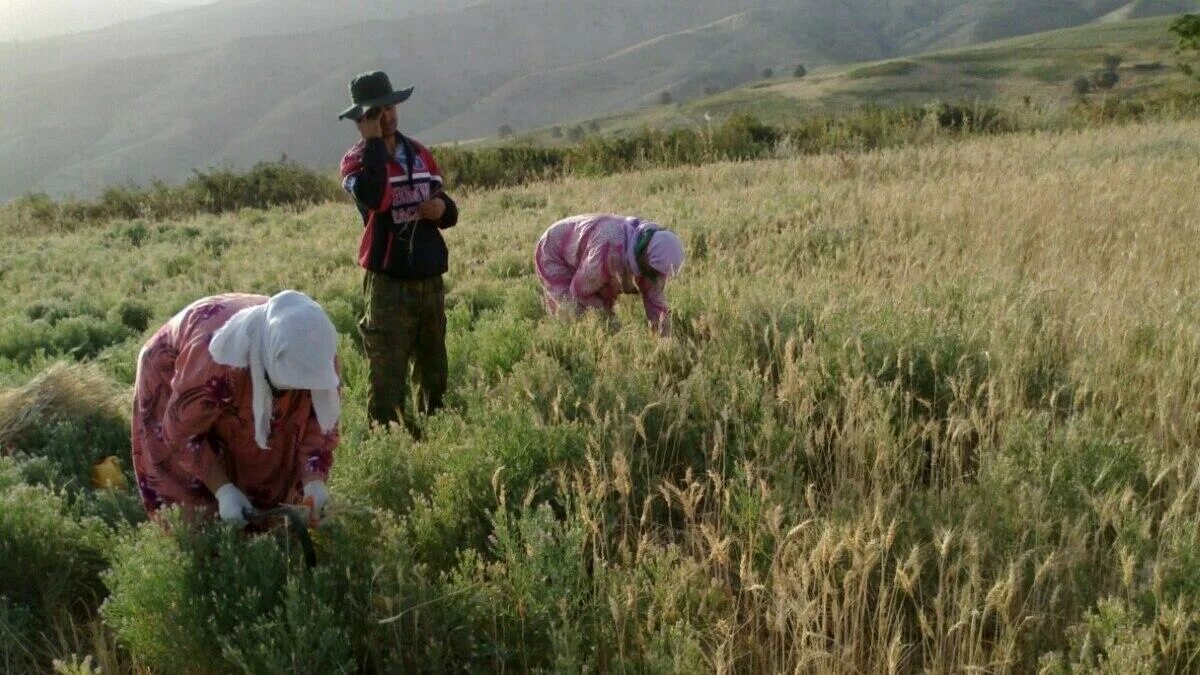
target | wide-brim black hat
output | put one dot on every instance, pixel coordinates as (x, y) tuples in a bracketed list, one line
[(372, 90)]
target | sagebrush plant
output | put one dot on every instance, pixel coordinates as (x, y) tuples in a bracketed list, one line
[(925, 409), (739, 136), (51, 563)]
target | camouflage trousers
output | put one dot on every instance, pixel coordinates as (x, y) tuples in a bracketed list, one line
[(405, 324)]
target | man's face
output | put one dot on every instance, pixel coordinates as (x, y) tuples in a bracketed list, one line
[(387, 120)]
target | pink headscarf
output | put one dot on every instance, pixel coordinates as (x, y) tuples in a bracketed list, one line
[(665, 252)]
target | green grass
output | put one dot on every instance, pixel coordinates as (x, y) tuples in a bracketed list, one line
[(927, 408), (885, 69), (1005, 72)]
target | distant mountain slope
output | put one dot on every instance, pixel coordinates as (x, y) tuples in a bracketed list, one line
[(207, 27), (243, 80), (22, 20), (1140, 9), (727, 52), (1040, 66)]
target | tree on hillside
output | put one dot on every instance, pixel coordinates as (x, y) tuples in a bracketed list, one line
[(665, 98), (1112, 62), (556, 132), (505, 131), (1106, 80), (768, 73), (1082, 86), (576, 134), (1187, 29), (800, 71)]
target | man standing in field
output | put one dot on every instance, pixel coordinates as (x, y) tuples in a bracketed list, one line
[(397, 187)]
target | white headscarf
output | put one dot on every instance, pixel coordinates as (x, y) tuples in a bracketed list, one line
[(290, 340)]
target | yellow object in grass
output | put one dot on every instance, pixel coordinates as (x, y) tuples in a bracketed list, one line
[(106, 474)]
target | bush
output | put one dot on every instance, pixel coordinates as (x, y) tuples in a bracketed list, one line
[(266, 185), (741, 137), (534, 606), (205, 598), (50, 564), (53, 310), (134, 315), (83, 337), (58, 426), (17, 637), (500, 167), (977, 118), (63, 393), (800, 71), (1106, 80), (1109, 111)]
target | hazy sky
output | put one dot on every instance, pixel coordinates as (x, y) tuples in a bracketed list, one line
[(31, 19)]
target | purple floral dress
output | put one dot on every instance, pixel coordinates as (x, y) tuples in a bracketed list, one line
[(189, 412)]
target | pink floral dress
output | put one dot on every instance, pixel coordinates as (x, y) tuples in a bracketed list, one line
[(189, 412), (581, 262)]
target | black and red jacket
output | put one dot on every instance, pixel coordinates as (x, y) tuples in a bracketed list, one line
[(388, 188)]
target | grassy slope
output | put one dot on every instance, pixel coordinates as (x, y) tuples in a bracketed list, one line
[(195, 89), (1037, 293), (1040, 66)]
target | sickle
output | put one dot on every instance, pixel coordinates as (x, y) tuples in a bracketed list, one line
[(296, 526)]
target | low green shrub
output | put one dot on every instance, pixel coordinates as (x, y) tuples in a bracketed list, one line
[(207, 598)]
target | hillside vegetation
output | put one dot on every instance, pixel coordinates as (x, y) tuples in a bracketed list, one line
[(233, 83), (926, 409), (287, 184), (1034, 71)]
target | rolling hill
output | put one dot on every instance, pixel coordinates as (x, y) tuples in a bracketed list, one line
[(1040, 67), (22, 20), (239, 81)]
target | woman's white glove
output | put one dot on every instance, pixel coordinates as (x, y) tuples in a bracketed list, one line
[(232, 504), (316, 495)]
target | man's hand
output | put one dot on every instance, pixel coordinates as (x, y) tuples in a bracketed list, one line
[(370, 127), (431, 209)]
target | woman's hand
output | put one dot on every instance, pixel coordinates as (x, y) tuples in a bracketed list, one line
[(316, 496), (232, 504)]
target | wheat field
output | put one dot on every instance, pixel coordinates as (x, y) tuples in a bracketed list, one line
[(931, 409)]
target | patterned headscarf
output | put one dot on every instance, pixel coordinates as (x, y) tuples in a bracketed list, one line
[(664, 251), (290, 340)]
